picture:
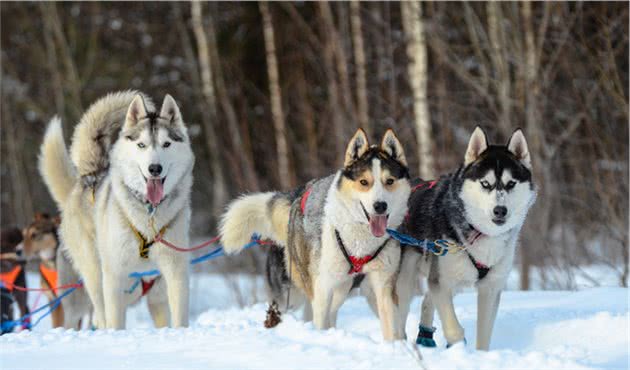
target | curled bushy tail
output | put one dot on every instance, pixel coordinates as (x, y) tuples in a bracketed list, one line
[(54, 163), (97, 131), (264, 214)]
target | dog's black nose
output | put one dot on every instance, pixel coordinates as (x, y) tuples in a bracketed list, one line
[(380, 207), (155, 169), (500, 212)]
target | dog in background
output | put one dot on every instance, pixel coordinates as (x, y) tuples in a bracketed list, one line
[(41, 240), (12, 273)]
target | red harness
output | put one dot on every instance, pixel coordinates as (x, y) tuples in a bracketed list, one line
[(147, 285), (356, 263)]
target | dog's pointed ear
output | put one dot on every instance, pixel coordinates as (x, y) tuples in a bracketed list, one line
[(518, 146), (357, 146), (137, 110), (478, 144), (392, 146), (170, 110)]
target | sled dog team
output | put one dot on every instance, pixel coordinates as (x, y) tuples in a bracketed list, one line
[(126, 179)]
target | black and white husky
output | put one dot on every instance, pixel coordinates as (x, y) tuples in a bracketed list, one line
[(333, 230), (128, 177), (481, 208)]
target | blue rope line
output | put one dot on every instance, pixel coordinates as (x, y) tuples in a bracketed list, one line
[(219, 252), (9, 325), (438, 247)]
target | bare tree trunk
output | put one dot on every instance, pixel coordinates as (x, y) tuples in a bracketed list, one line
[(219, 194), (282, 149), (340, 60), (307, 114), (73, 82), (331, 84), (359, 60), (417, 70), (52, 62), (500, 63), (243, 152)]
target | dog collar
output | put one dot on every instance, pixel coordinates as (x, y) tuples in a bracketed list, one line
[(357, 263)]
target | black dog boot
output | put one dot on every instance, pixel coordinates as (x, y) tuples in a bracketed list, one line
[(425, 336)]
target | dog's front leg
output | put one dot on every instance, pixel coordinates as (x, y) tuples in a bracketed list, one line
[(443, 300), (176, 277), (383, 286), (322, 297), (488, 298), (113, 298), (340, 293)]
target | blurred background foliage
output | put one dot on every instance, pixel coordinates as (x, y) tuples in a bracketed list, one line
[(432, 71)]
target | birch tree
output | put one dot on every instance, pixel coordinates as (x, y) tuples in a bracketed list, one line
[(219, 193), (359, 61), (276, 99), (417, 69)]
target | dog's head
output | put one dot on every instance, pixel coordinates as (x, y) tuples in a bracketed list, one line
[(153, 151), (374, 183), (497, 188), (40, 237)]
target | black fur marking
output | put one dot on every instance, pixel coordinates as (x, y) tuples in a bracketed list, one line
[(497, 158), (356, 168)]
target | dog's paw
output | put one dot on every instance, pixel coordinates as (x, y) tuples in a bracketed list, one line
[(425, 337), (449, 345)]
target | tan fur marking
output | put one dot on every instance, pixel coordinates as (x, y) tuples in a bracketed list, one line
[(348, 186)]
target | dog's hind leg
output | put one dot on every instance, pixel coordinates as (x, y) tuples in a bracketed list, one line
[(57, 317), (443, 300), (157, 302), (308, 311), (488, 298)]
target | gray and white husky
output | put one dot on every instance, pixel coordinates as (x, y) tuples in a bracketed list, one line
[(480, 207), (332, 231), (128, 177)]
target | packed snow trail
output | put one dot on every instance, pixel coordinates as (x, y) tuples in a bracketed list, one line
[(534, 330)]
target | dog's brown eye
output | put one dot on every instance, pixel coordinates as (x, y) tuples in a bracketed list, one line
[(510, 185), (166, 144), (364, 182), (141, 145), (389, 182)]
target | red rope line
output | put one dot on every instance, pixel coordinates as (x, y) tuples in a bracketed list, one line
[(159, 239), (23, 289)]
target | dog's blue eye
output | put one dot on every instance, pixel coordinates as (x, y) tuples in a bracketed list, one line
[(141, 145), (485, 184), (166, 144), (510, 185)]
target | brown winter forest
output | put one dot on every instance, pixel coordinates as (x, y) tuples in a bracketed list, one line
[(272, 92)]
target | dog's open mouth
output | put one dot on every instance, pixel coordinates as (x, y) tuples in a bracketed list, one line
[(155, 190), (378, 222)]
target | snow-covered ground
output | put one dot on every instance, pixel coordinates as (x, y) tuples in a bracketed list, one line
[(534, 330)]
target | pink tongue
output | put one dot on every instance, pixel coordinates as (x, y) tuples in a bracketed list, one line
[(155, 191), (378, 225)]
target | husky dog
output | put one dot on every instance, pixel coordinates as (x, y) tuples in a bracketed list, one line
[(481, 207), (333, 230), (129, 179), (40, 239)]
